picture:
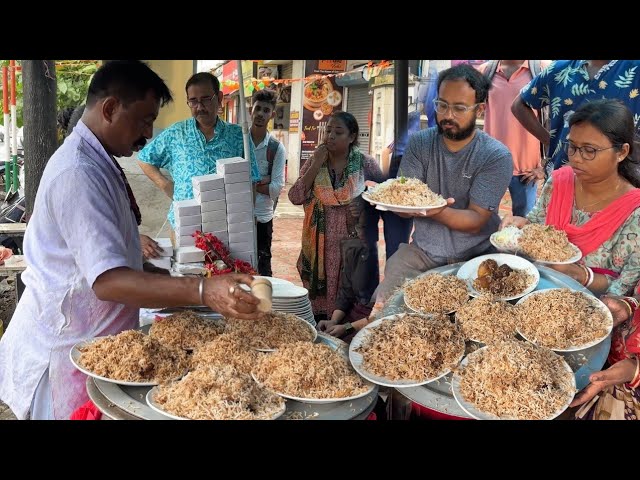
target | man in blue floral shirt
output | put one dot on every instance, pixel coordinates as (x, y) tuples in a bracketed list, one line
[(191, 147), (564, 86)]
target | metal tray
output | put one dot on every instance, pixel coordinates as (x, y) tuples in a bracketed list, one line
[(122, 402), (438, 396)]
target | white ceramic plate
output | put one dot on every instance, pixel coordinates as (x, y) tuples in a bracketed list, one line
[(400, 208), (469, 272), (574, 348), (151, 395), (318, 401), (357, 359), (283, 290), (474, 412), (74, 355), (511, 246)]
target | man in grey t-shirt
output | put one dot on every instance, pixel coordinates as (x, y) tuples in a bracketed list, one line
[(467, 167)]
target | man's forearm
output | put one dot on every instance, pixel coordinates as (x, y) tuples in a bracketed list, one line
[(525, 115), (263, 189), (467, 220), (154, 174), (140, 289)]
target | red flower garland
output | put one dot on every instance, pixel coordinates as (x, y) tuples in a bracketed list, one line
[(215, 251)]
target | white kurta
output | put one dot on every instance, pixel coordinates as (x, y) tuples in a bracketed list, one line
[(82, 226)]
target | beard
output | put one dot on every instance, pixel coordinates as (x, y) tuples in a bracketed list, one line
[(460, 134)]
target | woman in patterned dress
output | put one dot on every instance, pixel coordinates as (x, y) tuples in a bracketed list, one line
[(328, 182), (596, 199)]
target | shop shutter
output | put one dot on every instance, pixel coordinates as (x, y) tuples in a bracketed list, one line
[(359, 105)]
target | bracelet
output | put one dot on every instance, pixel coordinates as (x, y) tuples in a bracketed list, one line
[(624, 300), (635, 383), (591, 275), (633, 302), (201, 291)]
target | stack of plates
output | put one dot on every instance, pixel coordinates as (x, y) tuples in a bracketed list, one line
[(290, 298)]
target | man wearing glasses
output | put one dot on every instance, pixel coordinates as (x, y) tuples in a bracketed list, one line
[(463, 164), (191, 147)]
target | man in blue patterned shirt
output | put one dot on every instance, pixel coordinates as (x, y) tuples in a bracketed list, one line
[(191, 147), (564, 86)]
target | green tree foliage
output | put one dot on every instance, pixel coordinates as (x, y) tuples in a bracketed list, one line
[(73, 82)]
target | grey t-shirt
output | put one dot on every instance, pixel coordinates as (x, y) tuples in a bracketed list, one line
[(479, 173)]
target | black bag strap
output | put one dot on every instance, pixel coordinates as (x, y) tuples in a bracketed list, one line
[(272, 150), (491, 69)]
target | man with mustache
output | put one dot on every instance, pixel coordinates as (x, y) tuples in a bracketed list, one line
[(271, 157), (463, 164), (190, 148), (84, 275)]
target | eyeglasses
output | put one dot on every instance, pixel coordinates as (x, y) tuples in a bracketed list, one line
[(586, 152), (457, 110), (204, 101)]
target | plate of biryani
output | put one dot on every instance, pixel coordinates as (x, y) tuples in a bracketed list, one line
[(310, 373), (185, 330), (487, 321), (540, 243), (407, 350), (129, 358), (213, 392), (501, 276), (404, 195), (513, 380), (273, 331), (563, 320), (435, 293)]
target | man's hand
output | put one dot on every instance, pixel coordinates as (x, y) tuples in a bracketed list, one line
[(337, 331), (619, 373), (266, 180), (222, 293), (533, 175), (150, 248)]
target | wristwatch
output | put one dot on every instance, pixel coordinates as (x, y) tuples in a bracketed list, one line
[(348, 328)]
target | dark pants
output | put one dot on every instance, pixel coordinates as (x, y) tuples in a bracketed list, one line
[(265, 235)]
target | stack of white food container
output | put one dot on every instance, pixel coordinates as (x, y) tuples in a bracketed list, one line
[(164, 260), (188, 220), (209, 192), (239, 202)]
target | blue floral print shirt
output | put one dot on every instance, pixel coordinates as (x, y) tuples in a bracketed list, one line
[(564, 86), (183, 150)]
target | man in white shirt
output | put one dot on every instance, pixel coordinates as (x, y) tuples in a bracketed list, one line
[(84, 275), (271, 158)]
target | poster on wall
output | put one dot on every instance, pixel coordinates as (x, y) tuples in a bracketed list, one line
[(321, 97)]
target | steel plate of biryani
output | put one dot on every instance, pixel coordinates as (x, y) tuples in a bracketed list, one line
[(563, 320), (226, 349), (273, 331), (487, 321), (304, 370), (405, 192), (217, 393), (407, 347), (185, 330), (545, 243), (435, 293), (514, 380), (132, 356)]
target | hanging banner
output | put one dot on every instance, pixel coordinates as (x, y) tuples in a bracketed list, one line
[(321, 97)]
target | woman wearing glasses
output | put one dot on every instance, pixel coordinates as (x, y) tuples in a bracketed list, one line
[(595, 198)]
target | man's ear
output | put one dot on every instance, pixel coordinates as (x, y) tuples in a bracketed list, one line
[(220, 97), (480, 110), (109, 107)]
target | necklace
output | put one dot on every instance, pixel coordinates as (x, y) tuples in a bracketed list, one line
[(601, 200)]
